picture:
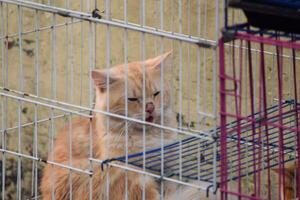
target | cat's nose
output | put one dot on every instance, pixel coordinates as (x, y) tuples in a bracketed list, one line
[(150, 107)]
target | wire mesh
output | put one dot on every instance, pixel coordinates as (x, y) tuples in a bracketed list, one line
[(254, 85), (48, 50)]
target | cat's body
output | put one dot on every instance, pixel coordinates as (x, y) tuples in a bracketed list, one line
[(109, 141), (80, 182)]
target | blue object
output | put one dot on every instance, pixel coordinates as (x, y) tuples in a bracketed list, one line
[(196, 154)]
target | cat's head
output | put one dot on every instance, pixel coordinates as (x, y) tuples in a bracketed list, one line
[(110, 92)]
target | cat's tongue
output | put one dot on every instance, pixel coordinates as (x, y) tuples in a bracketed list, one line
[(149, 119)]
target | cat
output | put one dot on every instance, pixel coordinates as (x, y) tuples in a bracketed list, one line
[(110, 142), (291, 173)]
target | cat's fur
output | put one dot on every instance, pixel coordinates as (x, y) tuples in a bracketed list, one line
[(110, 143), (291, 173)]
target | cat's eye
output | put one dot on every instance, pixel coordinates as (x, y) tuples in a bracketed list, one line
[(156, 93), (133, 99)]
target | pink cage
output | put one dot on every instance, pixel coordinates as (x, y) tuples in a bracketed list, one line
[(259, 90)]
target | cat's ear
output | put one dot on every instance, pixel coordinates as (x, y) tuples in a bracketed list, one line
[(100, 79), (164, 60)]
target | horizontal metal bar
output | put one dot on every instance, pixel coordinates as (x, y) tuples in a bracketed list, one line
[(258, 51), (44, 104), (49, 102), (204, 114), (114, 22), (45, 161), (42, 28), (32, 123), (268, 41), (121, 24), (115, 164)]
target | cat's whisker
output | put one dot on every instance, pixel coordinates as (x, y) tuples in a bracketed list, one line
[(122, 132)]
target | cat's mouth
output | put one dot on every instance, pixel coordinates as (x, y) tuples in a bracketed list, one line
[(150, 118)]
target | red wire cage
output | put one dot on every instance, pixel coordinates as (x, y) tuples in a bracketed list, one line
[(258, 76)]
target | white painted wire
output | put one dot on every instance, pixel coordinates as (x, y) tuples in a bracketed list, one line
[(81, 59), (70, 155), (72, 109), (125, 54), (189, 68), (114, 22), (53, 96), (3, 99), (180, 95), (198, 92), (20, 103), (35, 152), (108, 58), (143, 57), (126, 96), (91, 97), (143, 172), (69, 89), (214, 91), (162, 100)]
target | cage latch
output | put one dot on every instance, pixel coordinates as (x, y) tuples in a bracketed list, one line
[(104, 162), (210, 186)]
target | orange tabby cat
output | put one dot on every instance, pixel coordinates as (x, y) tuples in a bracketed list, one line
[(110, 142), (291, 173)]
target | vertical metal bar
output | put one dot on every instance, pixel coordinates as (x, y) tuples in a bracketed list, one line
[(67, 50), (204, 91), (88, 5), (142, 20), (223, 138), (126, 95), (53, 54), (70, 155), (235, 103), (72, 61), (20, 104), (37, 37), (296, 92), (281, 140), (180, 95), (91, 97), (189, 66), (156, 25), (180, 87), (162, 100), (214, 90), (80, 57), (273, 79), (265, 113), (4, 53), (69, 90), (3, 106), (53, 96), (108, 58), (107, 104), (198, 85), (239, 113), (248, 134), (225, 13), (252, 103)]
